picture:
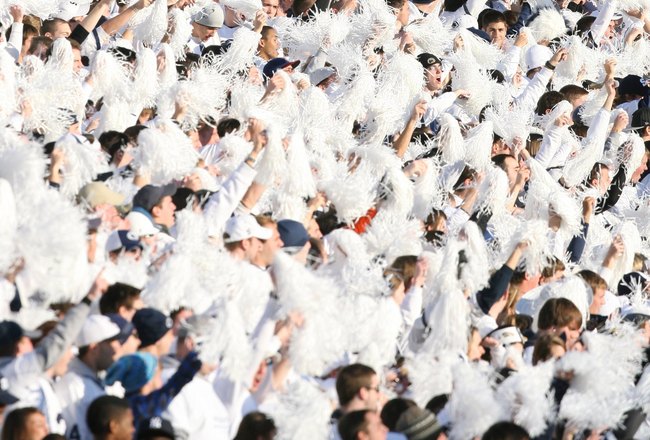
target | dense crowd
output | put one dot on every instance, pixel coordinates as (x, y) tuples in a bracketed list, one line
[(324, 219)]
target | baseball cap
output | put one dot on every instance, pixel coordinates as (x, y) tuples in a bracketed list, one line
[(6, 398), (292, 233), (74, 8), (122, 239), (11, 332), (150, 195), (428, 59), (631, 85), (133, 371), (97, 193), (141, 225), (320, 75), (155, 427), (151, 325), (241, 227), (277, 64), (640, 118), (537, 56), (97, 328), (507, 335), (126, 327), (210, 16)]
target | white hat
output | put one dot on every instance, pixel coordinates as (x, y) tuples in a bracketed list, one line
[(537, 56), (210, 16), (320, 75), (97, 328), (241, 227), (74, 8), (141, 225)]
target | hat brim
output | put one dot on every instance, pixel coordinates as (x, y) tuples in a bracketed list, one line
[(6, 398)]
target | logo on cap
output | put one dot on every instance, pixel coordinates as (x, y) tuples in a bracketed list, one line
[(155, 423)]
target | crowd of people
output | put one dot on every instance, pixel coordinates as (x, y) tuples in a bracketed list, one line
[(324, 219)]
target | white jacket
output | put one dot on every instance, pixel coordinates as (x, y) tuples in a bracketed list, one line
[(76, 391)]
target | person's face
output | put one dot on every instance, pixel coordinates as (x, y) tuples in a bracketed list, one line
[(270, 7), (512, 169), (375, 429), (252, 248), (27, 43), (77, 64), (24, 346), (270, 45), (36, 427), (434, 77), (371, 395), (572, 335), (271, 246), (62, 30), (641, 169), (164, 344), (474, 349), (131, 345), (202, 33), (604, 180), (500, 147), (597, 302), (107, 353), (403, 14), (122, 428), (497, 32), (163, 213)]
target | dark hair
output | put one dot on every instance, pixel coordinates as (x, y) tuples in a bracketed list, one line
[(102, 411), (489, 16), (397, 4), (453, 5), (542, 351), (547, 101), (352, 423), (266, 30), (584, 25), (40, 41), (467, 173), (112, 141), (406, 266), (256, 426), (133, 132), (116, 296), (505, 431), (54, 437), (299, 7), (500, 160), (559, 312), (51, 24), (351, 379), (393, 409), (437, 403), (595, 172), (227, 125), (15, 422), (592, 279)]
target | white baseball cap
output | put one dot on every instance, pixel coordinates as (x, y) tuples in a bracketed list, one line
[(141, 225), (210, 16), (241, 227), (74, 8), (97, 328), (537, 56)]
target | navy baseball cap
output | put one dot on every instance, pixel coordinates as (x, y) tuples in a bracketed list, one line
[(122, 239), (150, 195), (292, 233), (11, 332), (155, 427), (276, 64), (126, 327), (428, 59), (151, 325)]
